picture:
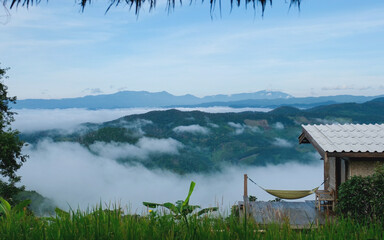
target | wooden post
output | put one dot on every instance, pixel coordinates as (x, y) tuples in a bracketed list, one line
[(245, 185), (245, 197)]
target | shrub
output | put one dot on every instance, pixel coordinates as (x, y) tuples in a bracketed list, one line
[(252, 198), (362, 198)]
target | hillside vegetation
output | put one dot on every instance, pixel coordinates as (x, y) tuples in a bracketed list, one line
[(115, 224), (196, 141)]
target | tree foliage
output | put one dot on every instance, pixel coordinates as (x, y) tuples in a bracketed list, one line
[(137, 4), (11, 157), (362, 197)]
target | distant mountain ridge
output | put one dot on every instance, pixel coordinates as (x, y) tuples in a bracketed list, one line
[(130, 99), (134, 99)]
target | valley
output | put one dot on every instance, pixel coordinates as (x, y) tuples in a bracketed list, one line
[(200, 142)]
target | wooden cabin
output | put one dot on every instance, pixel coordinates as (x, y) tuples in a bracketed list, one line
[(347, 150)]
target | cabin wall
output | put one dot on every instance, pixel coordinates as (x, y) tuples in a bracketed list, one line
[(326, 172), (363, 167), (331, 173)]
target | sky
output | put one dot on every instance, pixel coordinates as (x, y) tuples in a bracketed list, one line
[(55, 50)]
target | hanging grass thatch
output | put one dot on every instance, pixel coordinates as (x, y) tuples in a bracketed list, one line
[(137, 4)]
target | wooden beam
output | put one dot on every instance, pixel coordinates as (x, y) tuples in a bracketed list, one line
[(356, 154), (245, 185), (303, 139), (305, 136)]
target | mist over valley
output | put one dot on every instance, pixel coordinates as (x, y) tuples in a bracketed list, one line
[(80, 157)]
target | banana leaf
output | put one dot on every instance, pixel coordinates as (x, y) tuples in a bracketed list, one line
[(168, 205), (5, 207), (191, 187), (206, 210), (61, 213), (152, 205), (171, 207), (189, 209), (20, 207)]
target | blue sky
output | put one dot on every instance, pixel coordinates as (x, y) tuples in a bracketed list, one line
[(328, 48)]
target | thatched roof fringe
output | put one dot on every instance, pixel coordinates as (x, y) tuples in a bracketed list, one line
[(152, 3)]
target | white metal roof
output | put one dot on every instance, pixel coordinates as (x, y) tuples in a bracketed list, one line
[(348, 137)]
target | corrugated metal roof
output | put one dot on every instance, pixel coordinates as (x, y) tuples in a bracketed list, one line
[(348, 137)]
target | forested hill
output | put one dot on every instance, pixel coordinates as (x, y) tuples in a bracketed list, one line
[(201, 142)]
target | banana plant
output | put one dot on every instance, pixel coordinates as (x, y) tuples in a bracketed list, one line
[(181, 209), (18, 210)]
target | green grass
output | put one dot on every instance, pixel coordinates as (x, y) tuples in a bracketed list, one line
[(114, 224)]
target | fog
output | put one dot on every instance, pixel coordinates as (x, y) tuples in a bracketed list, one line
[(280, 142), (194, 129), (240, 128), (28, 120), (75, 176), (143, 149), (279, 126), (72, 176)]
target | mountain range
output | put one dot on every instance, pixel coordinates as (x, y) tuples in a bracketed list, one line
[(195, 141), (135, 99)]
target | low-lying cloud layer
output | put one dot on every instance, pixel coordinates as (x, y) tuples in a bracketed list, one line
[(194, 129), (136, 125), (72, 176), (29, 120), (143, 149), (240, 128), (278, 125), (280, 142)]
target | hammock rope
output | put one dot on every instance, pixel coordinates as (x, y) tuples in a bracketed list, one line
[(288, 194)]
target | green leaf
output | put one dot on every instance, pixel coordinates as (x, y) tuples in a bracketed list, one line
[(189, 208), (20, 207), (152, 205), (5, 207), (61, 213), (171, 207), (191, 187), (207, 210)]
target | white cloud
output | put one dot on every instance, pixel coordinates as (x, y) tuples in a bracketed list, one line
[(280, 142), (29, 120), (117, 150), (254, 128), (213, 125), (194, 129), (160, 146), (188, 48), (92, 90), (143, 149), (278, 125), (239, 128), (235, 125), (224, 109), (135, 125), (72, 176), (314, 155)]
